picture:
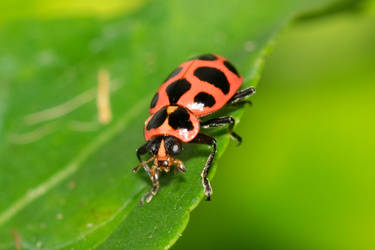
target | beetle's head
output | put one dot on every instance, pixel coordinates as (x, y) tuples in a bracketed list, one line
[(163, 149)]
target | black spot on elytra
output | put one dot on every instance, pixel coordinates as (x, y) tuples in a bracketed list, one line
[(176, 89), (158, 119), (231, 67), (207, 99), (214, 77), (207, 57), (154, 100), (174, 73), (179, 119)]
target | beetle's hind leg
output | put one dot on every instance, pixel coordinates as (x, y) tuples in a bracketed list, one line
[(240, 95), (208, 140), (222, 121)]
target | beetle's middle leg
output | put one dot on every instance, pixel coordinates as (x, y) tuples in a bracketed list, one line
[(222, 121), (239, 96)]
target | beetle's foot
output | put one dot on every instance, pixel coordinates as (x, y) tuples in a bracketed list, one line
[(236, 137), (179, 166), (207, 188)]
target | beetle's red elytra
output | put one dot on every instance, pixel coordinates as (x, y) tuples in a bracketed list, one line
[(193, 90)]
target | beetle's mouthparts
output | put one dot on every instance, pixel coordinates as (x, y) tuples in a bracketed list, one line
[(163, 163)]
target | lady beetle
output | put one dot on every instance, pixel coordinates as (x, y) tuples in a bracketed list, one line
[(195, 89)]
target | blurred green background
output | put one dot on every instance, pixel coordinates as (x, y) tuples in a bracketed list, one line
[(304, 177)]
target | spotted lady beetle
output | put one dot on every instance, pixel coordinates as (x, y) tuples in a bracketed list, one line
[(195, 89)]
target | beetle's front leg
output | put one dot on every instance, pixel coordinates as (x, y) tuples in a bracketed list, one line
[(208, 140), (179, 166), (141, 151), (154, 176)]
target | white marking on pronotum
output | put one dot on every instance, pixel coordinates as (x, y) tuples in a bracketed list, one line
[(32, 136), (184, 132), (65, 108), (103, 98)]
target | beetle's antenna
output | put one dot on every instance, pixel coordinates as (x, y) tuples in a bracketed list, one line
[(142, 164)]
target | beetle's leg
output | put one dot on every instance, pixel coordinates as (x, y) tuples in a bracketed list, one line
[(240, 103), (179, 166), (141, 151), (145, 165), (208, 140), (222, 121), (154, 175), (240, 95)]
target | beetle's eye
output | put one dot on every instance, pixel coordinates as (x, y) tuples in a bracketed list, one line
[(173, 146), (154, 149), (153, 146)]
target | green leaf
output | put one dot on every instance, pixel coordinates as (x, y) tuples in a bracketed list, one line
[(66, 178)]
